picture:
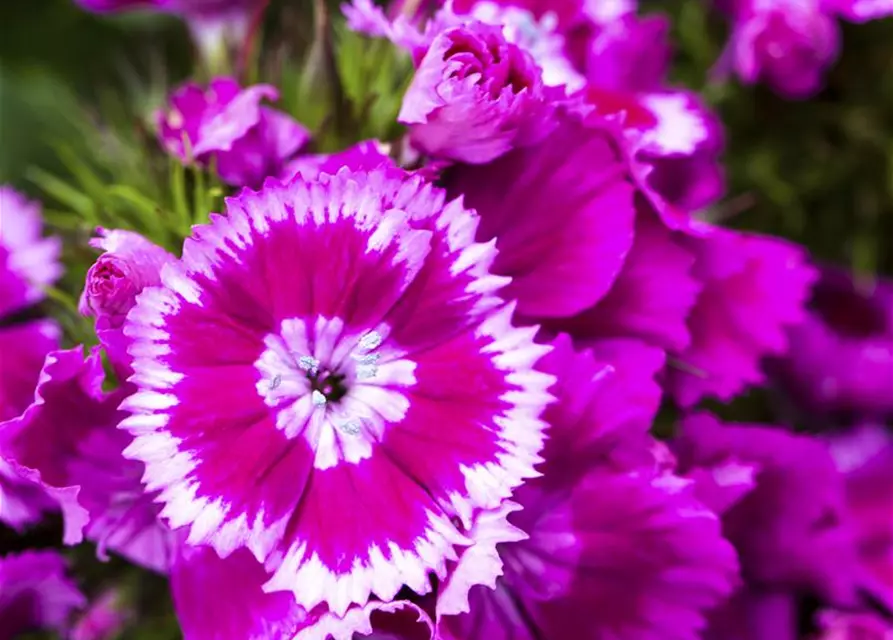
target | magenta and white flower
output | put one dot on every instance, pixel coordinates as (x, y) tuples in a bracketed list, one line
[(328, 378)]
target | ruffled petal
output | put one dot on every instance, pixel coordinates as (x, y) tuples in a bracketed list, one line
[(68, 443), (755, 287)]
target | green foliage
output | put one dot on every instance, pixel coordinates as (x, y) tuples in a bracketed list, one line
[(356, 98)]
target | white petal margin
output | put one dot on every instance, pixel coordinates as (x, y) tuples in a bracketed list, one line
[(358, 620), (479, 564)]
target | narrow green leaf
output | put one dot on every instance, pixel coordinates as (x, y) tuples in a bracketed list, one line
[(63, 192)]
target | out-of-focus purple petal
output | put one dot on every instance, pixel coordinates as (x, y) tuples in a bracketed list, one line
[(804, 540), (841, 356), (35, 593)]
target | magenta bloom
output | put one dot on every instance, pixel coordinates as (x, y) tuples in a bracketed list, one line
[(227, 126), (35, 593), (841, 355), (129, 264), (803, 542), (789, 44), (561, 213), (754, 288), (613, 548), (475, 96), (339, 375), (67, 441)]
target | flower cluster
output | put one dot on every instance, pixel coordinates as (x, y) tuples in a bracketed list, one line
[(410, 388)]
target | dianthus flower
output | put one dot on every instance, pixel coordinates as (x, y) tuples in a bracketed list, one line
[(226, 125), (754, 288), (68, 442), (608, 545), (129, 264), (323, 335), (28, 262), (789, 44), (35, 593), (475, 96), (841, 356)]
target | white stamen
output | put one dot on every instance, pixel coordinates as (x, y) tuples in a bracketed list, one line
[(309, 364), (370, 340), (351, 427), (318, 398)]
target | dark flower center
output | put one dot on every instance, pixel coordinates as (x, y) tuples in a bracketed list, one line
[(332, 385), (848, 311)]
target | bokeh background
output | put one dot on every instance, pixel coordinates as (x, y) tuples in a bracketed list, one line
[(819, 172)]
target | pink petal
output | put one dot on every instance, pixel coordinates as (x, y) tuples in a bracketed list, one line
[(561, 213)]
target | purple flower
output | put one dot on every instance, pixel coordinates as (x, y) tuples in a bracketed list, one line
[(841, 355), (789, 44), (104, 619), (28, 261), (67, 441), (803, 541), (475, 96), (35, 593), (604, 550), (561, 213), (226, 126), (628, 53), (323, 333), (835, 625), (129, 264), (754, 288)]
